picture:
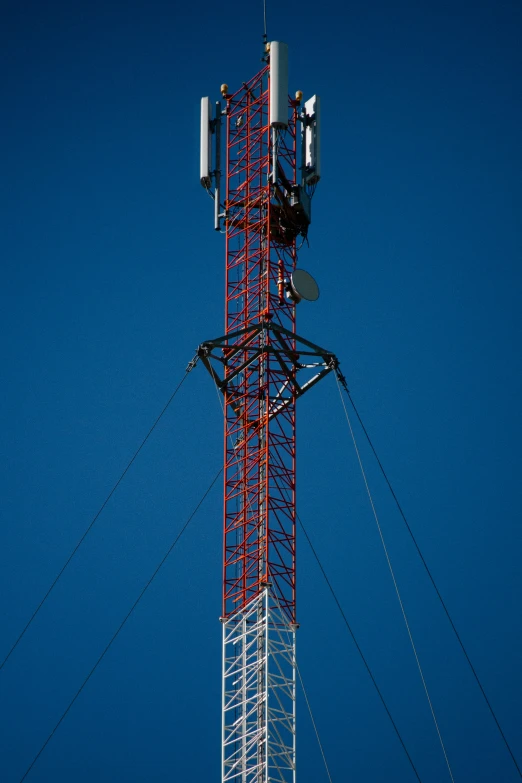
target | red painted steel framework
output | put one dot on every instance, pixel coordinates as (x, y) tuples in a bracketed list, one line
[(259, 525), (260, 358)]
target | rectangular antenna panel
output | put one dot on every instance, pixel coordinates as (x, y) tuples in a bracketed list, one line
[(312, 141), (278, 84), (205, 164)]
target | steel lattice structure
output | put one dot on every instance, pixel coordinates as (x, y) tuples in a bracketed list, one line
[(262, 367)]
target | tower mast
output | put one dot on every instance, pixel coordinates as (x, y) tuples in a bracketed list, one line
[(261, 366)]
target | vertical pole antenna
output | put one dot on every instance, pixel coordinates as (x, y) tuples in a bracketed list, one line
[(265, 39), (217, 192)]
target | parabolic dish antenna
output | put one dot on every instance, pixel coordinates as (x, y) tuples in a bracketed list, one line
[(303, 286)]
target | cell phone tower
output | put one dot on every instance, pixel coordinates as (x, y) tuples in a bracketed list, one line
[(262, 203)]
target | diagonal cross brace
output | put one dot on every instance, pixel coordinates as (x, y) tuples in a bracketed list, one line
[(305, 355)]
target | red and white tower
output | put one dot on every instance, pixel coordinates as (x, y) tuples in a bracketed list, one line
[(261, 366)]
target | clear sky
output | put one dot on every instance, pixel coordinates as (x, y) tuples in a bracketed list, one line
[(112, 275)]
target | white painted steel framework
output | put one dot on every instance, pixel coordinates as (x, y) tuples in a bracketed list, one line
[(259, 690)]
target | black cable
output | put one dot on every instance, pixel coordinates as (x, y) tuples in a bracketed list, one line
[(401, 512), (358, 648), (84, 536), (133, 607)]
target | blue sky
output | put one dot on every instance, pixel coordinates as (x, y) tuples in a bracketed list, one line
[(112, 275)]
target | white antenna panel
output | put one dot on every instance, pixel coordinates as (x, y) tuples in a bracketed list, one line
[(205, 161), (312, 141), (278, 84)]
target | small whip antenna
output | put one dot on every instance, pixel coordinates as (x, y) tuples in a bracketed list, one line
[(265, 40)]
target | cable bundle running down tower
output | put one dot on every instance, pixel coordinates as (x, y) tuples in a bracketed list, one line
[(261, 366)]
